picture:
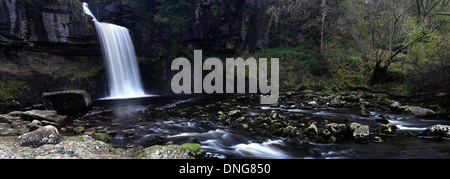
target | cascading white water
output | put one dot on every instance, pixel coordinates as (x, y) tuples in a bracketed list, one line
[(120, 57)]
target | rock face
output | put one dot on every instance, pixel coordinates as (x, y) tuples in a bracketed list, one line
[(67, 101), (57, 26), (49, 46), (41, 136)]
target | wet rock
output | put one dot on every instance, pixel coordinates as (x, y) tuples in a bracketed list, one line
[(312, 103), (437, 130), (418, 111), (337, 103), (79, 130), (130, 134), (395, 106), (150, 140), (388, 129), (337, 129), (234, 113), (40, 115), (377, 139), (290, 93), (41, 136), (363, 111), (90, 132), (35, 124), (288, 131), (312, 129), (382, 119), (240, 119), (414, 110), (102, 137), (185, 151), (6, 118), (360, 132), (67, 101)]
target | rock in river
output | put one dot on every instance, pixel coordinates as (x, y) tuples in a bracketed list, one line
[(437, 130), (185, 151), (360, 132)]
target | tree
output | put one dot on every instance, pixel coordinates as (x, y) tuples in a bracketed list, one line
[(386, 22), (324, 8)]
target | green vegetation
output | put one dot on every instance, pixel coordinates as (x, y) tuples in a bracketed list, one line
[(398, 46), (12, 89)]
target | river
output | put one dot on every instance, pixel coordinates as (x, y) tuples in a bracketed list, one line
[(199, 119)]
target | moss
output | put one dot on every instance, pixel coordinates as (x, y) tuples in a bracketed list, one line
[(307, 91), (240, 119), (328, 92), (102, 137), (86, 75), (194, 147), (12, 89), (191, 146)]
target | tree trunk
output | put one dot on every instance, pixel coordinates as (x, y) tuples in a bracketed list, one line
[(379, 74), (324, 14)]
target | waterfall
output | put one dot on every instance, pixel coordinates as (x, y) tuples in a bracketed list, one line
[(118, 52)]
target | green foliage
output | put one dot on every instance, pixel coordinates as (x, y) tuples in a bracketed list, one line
[(307, 91), (12, 89), (176, 14)]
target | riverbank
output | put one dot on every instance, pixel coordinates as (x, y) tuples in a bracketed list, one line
[(85, 147)]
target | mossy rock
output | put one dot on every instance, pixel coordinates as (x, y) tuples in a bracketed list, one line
[(102, 137), (185, 151)]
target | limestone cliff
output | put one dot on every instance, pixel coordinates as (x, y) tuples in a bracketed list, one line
[(53, 26), (46, 46)]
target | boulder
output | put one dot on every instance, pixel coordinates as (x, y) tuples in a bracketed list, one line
[(414, 110), (234, 113), (418, 111), (35, 124), (437, 130), (395, 106), (337, 129), (5, 118), (312, 129), (185, 151), (44, 135), (46, 117), (102, 137), (388, 129), (12, 125), (360, 132), (67, 101)]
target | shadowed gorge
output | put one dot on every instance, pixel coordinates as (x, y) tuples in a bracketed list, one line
[(357, 79)]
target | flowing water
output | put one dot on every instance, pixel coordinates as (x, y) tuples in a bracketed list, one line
[(156, 120), (119, 54), (181, 119)]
